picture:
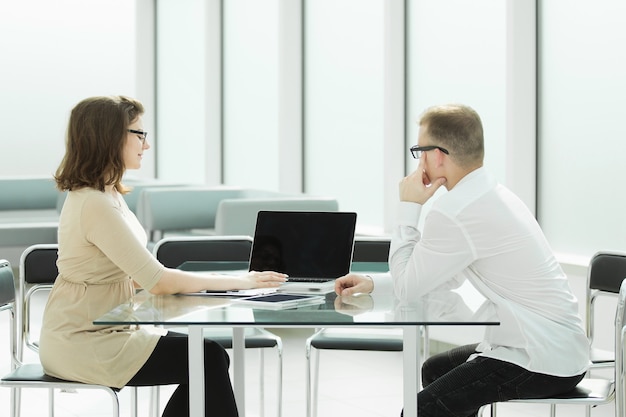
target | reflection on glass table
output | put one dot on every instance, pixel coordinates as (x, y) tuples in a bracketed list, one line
[(445, 308)]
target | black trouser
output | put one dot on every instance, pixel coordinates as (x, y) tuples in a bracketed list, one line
[(454, 387), (169, 364)]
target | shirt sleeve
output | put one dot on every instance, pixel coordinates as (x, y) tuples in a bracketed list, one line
[(420, 263), (383, 284), (106, 227)]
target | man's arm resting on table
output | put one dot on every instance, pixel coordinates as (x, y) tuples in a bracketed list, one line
[(364, 283)]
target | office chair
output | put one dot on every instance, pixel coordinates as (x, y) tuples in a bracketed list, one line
[(219, 253), (596, 391), (32, 375), (37, 273), (371, 254), (605, 273), (604, 276)]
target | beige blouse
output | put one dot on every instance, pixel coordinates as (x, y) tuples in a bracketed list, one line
[(102, 249)]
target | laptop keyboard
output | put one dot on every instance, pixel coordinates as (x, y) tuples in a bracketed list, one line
[(305, 279)]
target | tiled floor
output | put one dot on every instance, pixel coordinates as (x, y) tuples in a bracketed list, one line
[(364, 384)]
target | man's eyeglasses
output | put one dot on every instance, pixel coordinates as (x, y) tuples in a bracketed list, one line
[(416, 151), (142, 135)]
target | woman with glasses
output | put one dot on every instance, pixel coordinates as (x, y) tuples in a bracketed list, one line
[(102, 259)]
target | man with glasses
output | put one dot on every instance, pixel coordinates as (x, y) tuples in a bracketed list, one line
[(480, 231)]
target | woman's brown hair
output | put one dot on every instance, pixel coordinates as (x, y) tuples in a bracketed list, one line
[(96, 135)]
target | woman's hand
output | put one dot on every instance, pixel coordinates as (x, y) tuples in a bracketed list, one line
[(264, 279), (175, 281)]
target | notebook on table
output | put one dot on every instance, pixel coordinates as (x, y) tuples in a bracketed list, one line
[(312, 248)]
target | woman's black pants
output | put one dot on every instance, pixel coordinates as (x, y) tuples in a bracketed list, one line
[(169, 364)]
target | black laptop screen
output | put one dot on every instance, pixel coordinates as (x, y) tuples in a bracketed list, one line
[(303, 244)]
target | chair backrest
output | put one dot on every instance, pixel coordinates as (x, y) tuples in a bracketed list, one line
[(174, 251), (371, 254), (167, 209), (8, 302), (7, 285), (238, 216), (371, 249), (38, 271), (620, 352), (606, 271), (28, 193), (605, 274), (38, 264)]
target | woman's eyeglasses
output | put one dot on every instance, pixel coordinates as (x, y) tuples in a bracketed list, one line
[(140, 133)]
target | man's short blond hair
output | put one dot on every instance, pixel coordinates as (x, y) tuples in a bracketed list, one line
[(458, 129)]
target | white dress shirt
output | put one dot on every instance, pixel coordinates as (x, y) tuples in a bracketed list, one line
[(482, 232)]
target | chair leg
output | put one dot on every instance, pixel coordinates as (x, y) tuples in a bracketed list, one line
[(133, 401), (15, 402), (308, 380), (425, 351), (316, 380), (261, 383), (115, 403), (51, 402), (552, 410), (279, 351), (155, 395), (426, 344)]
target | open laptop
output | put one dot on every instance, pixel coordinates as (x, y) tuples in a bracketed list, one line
[(311, 247)]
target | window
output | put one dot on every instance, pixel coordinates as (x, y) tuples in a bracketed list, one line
[(55, 54), (581, 131), (343, 105), (251, 93), (456, 59)]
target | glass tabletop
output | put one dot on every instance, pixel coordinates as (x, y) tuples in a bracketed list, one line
[(438, 308)]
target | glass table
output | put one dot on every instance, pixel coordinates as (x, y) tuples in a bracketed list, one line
[(444, 308)]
